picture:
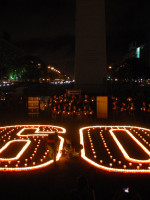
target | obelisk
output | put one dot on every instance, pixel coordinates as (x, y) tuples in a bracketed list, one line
[(90, 45)]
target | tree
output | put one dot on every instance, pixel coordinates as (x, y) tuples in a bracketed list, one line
[(27, 68)]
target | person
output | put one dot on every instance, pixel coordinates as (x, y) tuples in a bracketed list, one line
[(79, 114), (64, 113), (52, 145), (83, 190), (90, 113), (115, 110), (132, 111), (68, 148), (42, 106), (143, 108), (123, 111)]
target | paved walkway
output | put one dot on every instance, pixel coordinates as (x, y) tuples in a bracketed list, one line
[(58, 182)]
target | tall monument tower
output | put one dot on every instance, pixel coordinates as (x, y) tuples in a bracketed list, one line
[(90, 52)]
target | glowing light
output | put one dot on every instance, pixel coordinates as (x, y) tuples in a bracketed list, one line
[(138, 52), (123, 150), (127, 166), (34, 131), (19, 154)]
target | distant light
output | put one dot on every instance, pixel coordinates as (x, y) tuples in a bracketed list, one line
[(110, 67), (138, 52)]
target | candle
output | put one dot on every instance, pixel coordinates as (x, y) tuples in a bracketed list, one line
[(130, 164)]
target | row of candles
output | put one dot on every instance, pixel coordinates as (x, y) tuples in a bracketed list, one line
[(143, 137), (27, 160), (35, 137), (109, 153), (9, 162)]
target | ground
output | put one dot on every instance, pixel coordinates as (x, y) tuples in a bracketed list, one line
[(55, 182)]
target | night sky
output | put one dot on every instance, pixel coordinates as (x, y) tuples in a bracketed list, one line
[(46, 28)]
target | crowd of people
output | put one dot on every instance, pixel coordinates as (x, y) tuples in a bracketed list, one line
[(83, 107), (68, 107), (130, 108)]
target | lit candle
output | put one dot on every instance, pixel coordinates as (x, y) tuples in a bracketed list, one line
[(130, 164)]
